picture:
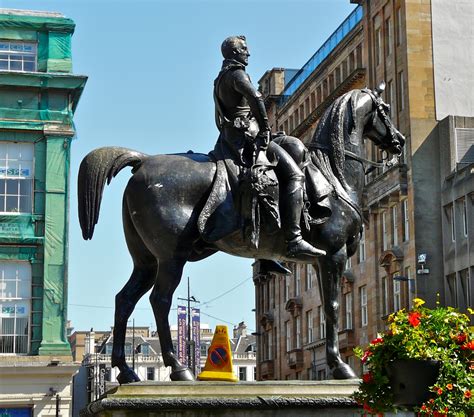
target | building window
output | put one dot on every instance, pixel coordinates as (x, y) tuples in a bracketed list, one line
[(242, 373), (399, 26), (394, 226), (396, 293), (349, 263), (301, 113), (465, 288), (464, 217), (348, 305), (309, 326), (15, 305), (298, 332), (322, 323), (269, 352), (108, 374), (401, 91), (150, 374), (453, 290), (16, 177), (378, 46), (406, 221), (297, 280), (363, 306), (452, 222), (254, 373), (287, 288), (384, 231), (362, 245), (384, 296), (388, 36), (17, 56), (390, 97), (288, 336), (309, 277)]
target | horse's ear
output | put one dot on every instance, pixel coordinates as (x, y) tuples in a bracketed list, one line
[(380, 89)]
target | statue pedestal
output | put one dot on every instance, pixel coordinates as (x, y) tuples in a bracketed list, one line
[(242, 399)]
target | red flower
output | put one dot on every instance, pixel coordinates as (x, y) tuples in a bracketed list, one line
[(376, 341), (467, 394), (367, 353), (440, 391), (461, 338), (439, 414), (468, 346), (449, 386), (367, 378), (414, 318)]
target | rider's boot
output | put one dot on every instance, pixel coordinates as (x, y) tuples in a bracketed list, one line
[(267, 266), (293, 206)]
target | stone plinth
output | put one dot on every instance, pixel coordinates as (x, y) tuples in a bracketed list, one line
[(243, 399)]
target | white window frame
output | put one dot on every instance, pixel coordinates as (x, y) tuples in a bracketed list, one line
[(384, 231), (287, 288), (298, 331), (406, 222), (385, 305), (322, 323), (310, 326), (309, 277), (297, 280), (464, 217), (348, 305), (395, 225), (15, 167), (397, 298), (362, 254), (363, 306), (378, 46), (288, 335), (401, 87), (20, 52), (388, 30), (16, 306), (452, 222)]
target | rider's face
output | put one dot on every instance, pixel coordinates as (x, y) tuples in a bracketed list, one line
[(241, 53)]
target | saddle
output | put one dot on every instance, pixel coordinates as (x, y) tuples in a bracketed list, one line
[(246, 200), (246, 205)]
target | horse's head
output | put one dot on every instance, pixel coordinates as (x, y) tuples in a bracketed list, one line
[(379, 127)]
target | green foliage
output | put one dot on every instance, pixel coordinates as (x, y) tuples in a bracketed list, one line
[(442, 334)]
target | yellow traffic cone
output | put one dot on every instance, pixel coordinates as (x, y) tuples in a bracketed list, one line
[(219, 359)]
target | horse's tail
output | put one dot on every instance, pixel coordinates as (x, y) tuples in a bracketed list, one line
[(98, 166)]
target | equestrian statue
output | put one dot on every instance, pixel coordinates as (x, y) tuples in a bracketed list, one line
[(258, 195)]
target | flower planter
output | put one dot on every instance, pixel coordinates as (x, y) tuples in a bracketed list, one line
[(410, 380)]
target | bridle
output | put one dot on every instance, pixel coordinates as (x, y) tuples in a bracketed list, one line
[(381, 113)]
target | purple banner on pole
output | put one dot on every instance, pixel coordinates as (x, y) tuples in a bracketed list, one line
[(182, 357), (196, 323)]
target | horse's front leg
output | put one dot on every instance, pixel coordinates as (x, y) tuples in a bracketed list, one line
[(168, 278), (331, 268), (140, 282)]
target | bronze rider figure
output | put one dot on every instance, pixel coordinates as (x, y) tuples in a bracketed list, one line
[(242, 119)]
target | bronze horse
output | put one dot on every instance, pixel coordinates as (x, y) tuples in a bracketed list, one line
[(166, 193)]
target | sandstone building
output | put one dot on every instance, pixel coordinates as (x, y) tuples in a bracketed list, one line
[(418, 231)]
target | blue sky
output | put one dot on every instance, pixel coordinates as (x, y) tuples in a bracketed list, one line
[(151, 66)]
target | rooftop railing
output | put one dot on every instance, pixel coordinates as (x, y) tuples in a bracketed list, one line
[(322, 53)]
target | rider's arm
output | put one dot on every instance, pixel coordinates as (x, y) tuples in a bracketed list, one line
[(244, 86)]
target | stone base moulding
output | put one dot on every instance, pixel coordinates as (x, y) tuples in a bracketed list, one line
[(243, 399)]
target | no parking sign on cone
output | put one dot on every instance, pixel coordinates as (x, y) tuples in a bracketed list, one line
[(219, 359)]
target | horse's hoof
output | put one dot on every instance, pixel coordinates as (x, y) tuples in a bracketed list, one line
[(183, 374), (343, 371), (127, 376)]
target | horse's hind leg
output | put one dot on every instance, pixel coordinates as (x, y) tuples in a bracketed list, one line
[(331, 268), (141, 280), (168, 278)]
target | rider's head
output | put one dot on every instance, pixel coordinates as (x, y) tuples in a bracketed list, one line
[(235, 47)]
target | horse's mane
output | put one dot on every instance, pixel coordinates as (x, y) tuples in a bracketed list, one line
[(328, 143)]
